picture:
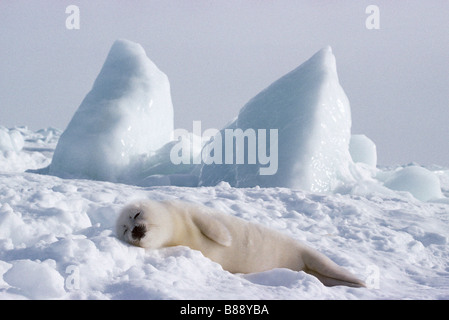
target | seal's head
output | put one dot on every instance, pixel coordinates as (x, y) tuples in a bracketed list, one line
[(145, 224)]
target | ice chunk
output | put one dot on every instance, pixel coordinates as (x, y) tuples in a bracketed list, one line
[(5, 140), (312, 116), (11, 140), (17, 140), (128, 113), (422, 183), (363, 149)]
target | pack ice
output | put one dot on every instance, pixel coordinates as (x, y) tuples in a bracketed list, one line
[(127, 114)]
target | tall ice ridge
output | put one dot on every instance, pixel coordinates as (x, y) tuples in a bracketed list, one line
[(311, 112), (128, 115)]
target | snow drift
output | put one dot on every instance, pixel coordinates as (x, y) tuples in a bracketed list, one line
[(311, 113), (127, 114)]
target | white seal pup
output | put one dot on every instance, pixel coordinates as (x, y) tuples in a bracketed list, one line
[(239, 246)]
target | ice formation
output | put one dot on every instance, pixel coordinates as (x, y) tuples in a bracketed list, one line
[(311, 113), (422, 183), (10, 140), (363, 149), (296, 134), (127, 114)]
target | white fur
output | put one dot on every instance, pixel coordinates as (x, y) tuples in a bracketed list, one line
[(239, 246)]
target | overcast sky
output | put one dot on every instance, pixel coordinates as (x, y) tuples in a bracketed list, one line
[(219, 54)]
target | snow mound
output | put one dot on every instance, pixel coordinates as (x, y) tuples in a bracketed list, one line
[(363, 150), (423, 184), (312, 116), (36, 280), (128, 113)]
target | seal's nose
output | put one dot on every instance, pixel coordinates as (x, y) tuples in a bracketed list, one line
[(138, 232)]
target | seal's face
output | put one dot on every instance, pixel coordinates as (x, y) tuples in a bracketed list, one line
[(130, 226), (143, 224)]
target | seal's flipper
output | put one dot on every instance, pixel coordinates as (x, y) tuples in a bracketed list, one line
[(327, 271), (213, 229)]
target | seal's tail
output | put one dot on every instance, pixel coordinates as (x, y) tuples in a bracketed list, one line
[(327, 271)]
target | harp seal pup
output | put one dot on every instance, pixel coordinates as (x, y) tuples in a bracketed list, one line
[(239, 246)]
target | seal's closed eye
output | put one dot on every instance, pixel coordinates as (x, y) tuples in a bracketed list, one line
[(137, 214)]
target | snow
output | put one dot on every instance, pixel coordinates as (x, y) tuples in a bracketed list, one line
[(57, 239), (127, 114), (311, 113), (388, 225), (39, 280)]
